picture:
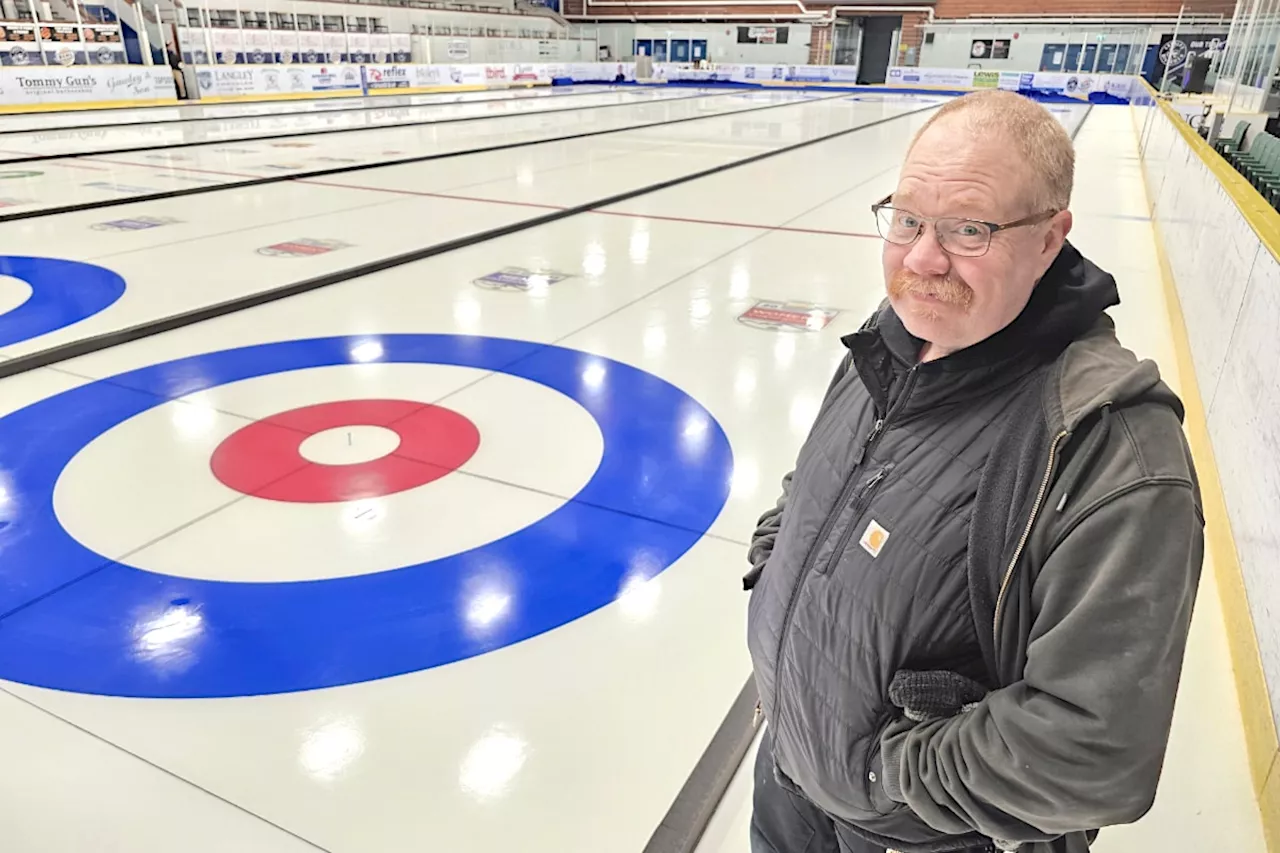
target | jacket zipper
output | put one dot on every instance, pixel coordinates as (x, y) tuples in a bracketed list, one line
[(859, 505), (1026, 534), (872, 439)]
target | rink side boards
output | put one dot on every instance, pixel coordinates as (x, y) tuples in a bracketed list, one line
[(1261, 740)]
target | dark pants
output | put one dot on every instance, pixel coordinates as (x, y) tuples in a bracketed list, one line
[(782, 822)]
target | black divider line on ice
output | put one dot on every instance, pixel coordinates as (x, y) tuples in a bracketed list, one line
[(296, 134), (106, 340), (382, 164), (686, 820), (628, 89)]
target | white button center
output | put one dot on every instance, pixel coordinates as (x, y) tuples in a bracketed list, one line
[(349, 445), (13, 292)]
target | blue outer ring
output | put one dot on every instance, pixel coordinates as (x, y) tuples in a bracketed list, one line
[(62, 293), (74, 620)]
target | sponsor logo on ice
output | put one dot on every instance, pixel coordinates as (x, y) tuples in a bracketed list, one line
[(302, 248), (137, 223), (519, 278), (788, 316)]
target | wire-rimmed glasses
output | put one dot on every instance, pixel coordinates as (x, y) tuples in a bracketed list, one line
[(969, 238)]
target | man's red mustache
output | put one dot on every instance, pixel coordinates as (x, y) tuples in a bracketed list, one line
[(948, 289)]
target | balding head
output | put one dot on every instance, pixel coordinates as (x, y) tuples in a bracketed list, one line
[(979, 214), (1038, 143)]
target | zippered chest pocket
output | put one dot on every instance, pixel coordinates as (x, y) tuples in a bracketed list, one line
[(873, 536)]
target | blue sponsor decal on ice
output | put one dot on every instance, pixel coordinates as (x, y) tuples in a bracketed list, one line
[(519, 278), (111, 186)]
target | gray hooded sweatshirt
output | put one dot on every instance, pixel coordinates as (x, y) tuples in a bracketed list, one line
[(1024, 512)]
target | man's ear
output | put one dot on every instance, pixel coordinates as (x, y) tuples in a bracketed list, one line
[(1056, 234)]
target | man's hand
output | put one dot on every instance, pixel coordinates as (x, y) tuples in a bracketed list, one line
[(934, 695)]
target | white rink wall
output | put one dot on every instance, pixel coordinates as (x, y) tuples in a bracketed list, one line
[(1228, 284)]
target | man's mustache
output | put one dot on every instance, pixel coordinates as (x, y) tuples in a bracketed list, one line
[(949, 289)]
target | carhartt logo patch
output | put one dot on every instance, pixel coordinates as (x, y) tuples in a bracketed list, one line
[(873, 540)]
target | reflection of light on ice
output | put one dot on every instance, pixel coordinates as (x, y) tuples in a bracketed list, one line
[(693, 433), (487, 608), (638, 598), (784, 350), (538, 284), (466, 313), (192, 420), (655, 340), (492, 763), (639, 248), (367, 351), (815, 319), (744, 385), (740, 281), (804, 410), (700, 308), (594, 261), (330, 748), (164, 639), (593, 376), (745, 479)]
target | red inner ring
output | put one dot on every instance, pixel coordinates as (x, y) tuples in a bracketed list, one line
[(263, 459)]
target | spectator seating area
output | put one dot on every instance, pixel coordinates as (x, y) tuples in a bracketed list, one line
[(1260, 164)]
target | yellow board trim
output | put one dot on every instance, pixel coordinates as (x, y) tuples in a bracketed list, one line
[(1260, 215), (18, 109), (1261, 742), (1270, 804)]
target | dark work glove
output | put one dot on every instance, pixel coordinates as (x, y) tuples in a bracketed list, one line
[(934, 695)]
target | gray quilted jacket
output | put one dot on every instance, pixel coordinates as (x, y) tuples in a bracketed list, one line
[(1025, 513)]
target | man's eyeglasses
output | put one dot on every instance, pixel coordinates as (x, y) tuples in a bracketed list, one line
[(969, 238)]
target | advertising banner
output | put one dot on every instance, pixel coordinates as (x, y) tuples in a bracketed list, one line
[(359, 48), (1011, 80), (528, 73), (227, 46), (430, 76), (467, 75), (191, 41), (390, 77), (989, 49), (284, 44), (222, 82), (941, 78), (333, 78), (335, 47), (401, 47), (62, 45), (264, 81), (986, 79), (1174, 54), (18, 45), (257, 47), (57, 85), (311, 47), (102, 44)]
